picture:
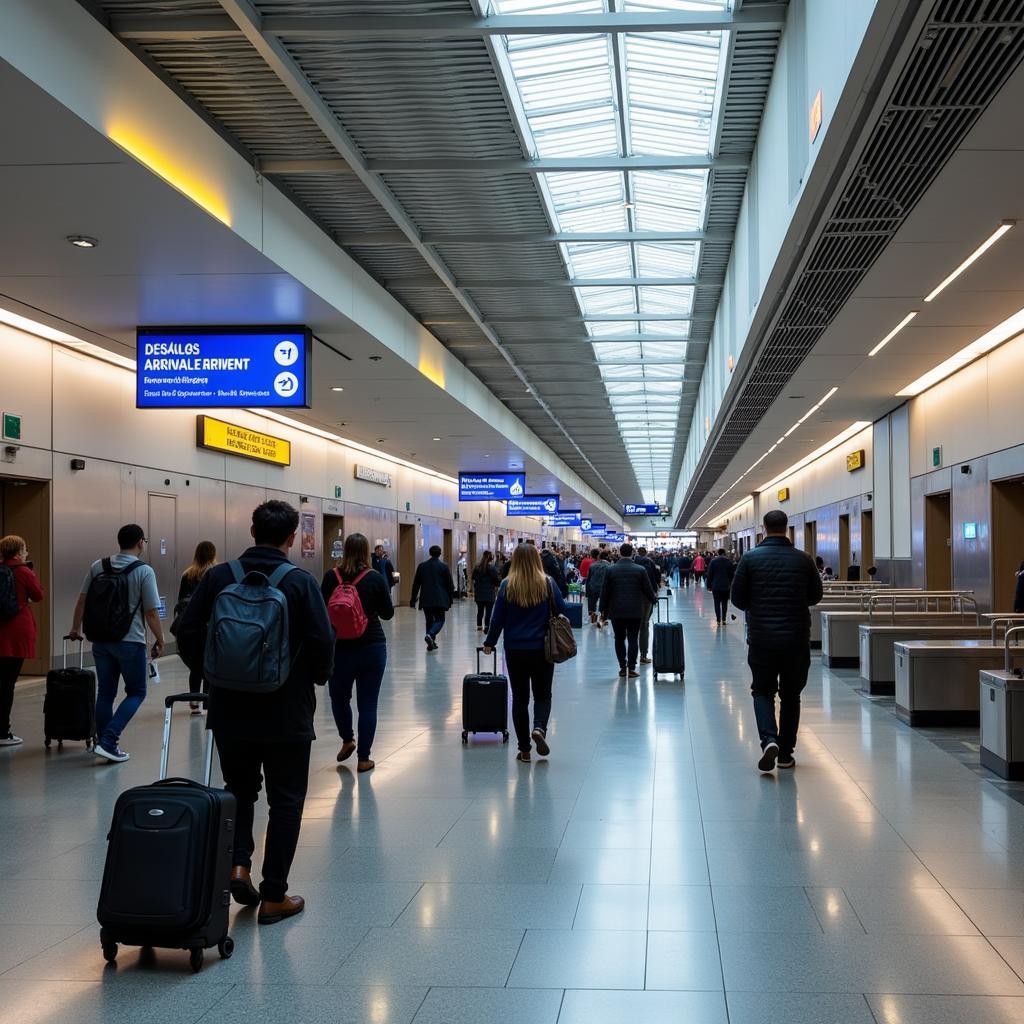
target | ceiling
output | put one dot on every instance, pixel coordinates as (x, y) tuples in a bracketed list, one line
[(161, 259), (426, 139), (971, 185)]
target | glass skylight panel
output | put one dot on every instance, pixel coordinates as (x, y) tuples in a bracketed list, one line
[(613, 328), (663, 371), (663, 350), (666, 328), (616, 371), (598, 259), (666, 259), (666, 299), (669, 200), (616, 350), (588, 201), (597, 301), (700, 6)]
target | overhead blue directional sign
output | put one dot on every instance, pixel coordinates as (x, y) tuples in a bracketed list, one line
[(565, 520), (532, 505), (223, 367), (491, 486), (598, 529), (641, 510), (586, 524)]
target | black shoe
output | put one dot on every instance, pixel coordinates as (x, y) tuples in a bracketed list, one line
[(786, 761), (769, 755), (539, 737)]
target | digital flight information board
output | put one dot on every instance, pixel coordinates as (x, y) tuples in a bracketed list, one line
[(223, 367), (566, 519), (640, 510), (532, 505), (484, 486)]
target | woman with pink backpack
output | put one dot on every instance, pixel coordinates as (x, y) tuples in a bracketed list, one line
[(357, 599)]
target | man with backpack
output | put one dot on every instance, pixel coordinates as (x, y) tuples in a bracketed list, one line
[(434, 588), (118, 600), (258, 628)]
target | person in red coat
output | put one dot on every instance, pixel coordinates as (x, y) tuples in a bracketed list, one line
[(17, 633)]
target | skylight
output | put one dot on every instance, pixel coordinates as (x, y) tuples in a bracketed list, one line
[(595, 96)]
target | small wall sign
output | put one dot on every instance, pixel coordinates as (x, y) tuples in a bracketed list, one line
[(856, 460)]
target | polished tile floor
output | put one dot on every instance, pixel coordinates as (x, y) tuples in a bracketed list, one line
[(645, 872)]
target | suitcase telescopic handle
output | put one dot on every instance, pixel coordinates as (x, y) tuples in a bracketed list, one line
[(181, 698), (657, 606), (494, 654), (169, 702), (64, 651)]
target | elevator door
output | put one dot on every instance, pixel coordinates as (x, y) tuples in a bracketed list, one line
[(811, 539), (844, 546), (334, 539), (162, 548), (406, 559), (1007, 540), (471, 556), (867, 543), (938, 542)]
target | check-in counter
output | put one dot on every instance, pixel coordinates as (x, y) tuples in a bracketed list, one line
[(877, 642), (855, 602), (1002, 713), (937, 680), (840, 631)]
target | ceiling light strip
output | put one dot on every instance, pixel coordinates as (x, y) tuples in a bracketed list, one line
[(1004, 226), (892, 334), (853, 428)]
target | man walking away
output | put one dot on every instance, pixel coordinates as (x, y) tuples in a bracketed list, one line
[(434, 588), (119, 599), (775, 584), (654, 573), (625, 589), (685, 566), (720, 572), (265, 735), (553, 567), (383, 565)]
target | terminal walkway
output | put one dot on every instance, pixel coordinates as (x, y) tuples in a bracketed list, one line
[(646, 872)]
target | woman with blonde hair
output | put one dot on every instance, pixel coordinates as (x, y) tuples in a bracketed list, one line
[(526, 601), (205, 558)]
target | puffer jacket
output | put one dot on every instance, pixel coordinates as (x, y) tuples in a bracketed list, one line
[(625, 591), (719, 573), (775, 584), (595, 578), (553, 568)]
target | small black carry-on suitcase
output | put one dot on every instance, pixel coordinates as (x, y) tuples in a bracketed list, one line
[(69, 707), (167, 879), (668, 654), (484, 701)]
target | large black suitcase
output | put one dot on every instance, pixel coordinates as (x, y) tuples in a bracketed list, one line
[(167, 878), (668, 654), (484, 701), (69, 706)]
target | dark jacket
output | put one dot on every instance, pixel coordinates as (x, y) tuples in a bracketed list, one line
[(595, 578), (685, 563), (382, 564), (375, 595), (433, 585), (625, 589), (525, 628), (719, 573), (652, 570), (485, 584), (553, 568), (287, 713), (775, 584)]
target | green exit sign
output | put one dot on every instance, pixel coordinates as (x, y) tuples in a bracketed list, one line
[(12, 427), (337, 490), (937, 457)]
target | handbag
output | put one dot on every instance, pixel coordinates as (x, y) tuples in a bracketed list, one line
[(559, 642)]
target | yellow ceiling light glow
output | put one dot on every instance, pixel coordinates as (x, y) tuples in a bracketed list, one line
[(1004, 226), (850, 431), (892, 334), (40, 330), (430, 366), (1003, 332), (172, 169)]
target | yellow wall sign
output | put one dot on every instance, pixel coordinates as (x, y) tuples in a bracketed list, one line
[(218, 436), (814, 121), (784, 494), (855, 460)]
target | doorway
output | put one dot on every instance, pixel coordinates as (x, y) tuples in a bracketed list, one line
[(25, 511), (162, 550), (334, 541), (792, 535), (938, 542), (867, 542), (811, 539), (844, 546), (446, 548), (1007, 547), (406, 560), (471, 557)]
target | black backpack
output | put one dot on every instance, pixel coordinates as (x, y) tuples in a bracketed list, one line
[(108, 613), (9, 606)]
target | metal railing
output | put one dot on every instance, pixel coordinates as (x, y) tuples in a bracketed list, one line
[(962, 602)]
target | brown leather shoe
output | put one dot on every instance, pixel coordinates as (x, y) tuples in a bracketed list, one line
[(348, 748), (271, 913), (645, 661), (366, 766), (242, 889)]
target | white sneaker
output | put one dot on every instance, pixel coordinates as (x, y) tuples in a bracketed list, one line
[(10, 740), (117, 755)]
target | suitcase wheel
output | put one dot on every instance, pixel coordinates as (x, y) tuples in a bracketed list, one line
[(46, 742), (465, 737), (226, 947), (108, 946), (504, 737), (195, 960)]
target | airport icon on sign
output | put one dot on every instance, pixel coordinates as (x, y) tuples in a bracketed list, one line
[(286, 384), (286, 353)]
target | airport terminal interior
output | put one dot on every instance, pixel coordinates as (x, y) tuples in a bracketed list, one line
[(704, 317)]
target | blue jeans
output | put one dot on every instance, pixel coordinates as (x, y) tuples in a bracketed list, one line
[(114, 660), (434, 619), (362, 667)]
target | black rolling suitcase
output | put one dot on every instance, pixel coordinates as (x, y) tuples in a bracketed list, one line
[(484, 701), (668, 654), (69, 707), (167, 878)]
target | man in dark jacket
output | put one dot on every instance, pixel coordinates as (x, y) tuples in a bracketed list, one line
[(775, 584), (685, 565), (720, 572), (434, 587), (268, 733), (625, 590), (651, 568), (553, 568), (383, 565)]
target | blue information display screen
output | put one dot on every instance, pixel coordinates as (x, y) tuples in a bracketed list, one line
[(223, 367), (491, 486), (565, 519), (597, 529), (532, 505), (640, 510)]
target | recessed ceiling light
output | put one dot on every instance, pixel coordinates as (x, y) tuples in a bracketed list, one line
[(337, 389), (83, 241), (437, 439)]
